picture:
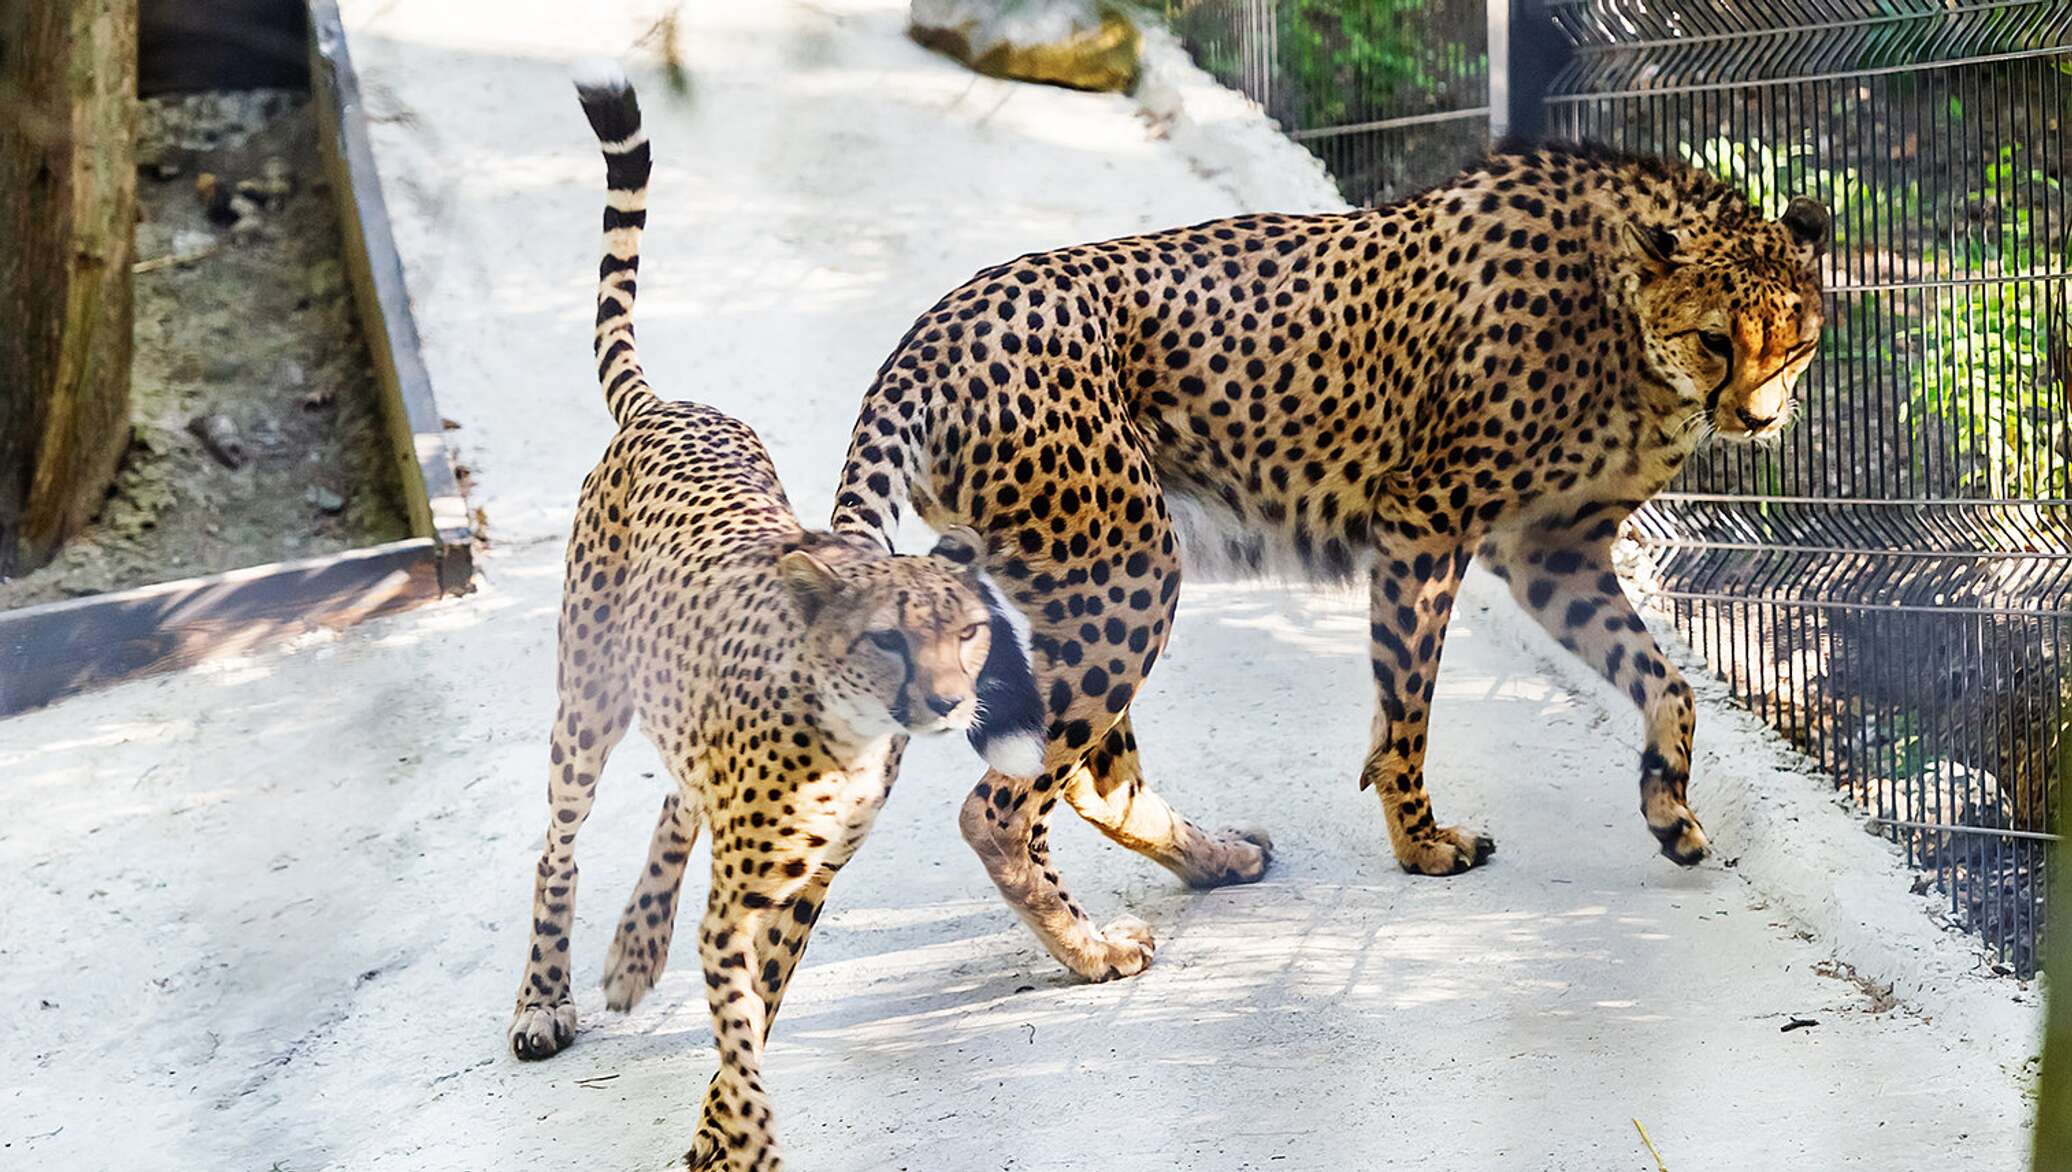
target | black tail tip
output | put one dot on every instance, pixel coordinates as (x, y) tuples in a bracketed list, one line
[(608, 100)]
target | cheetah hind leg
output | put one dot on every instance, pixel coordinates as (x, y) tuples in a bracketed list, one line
[(640, 948)]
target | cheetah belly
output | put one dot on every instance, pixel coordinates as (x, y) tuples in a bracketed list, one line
[(1270, 499)]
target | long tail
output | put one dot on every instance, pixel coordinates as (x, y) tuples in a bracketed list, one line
[(614, 113)]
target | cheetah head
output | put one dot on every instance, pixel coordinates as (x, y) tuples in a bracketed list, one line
[(921, 646), (1732, 315)]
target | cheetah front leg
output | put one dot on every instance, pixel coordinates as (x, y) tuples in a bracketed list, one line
[(1411, 598), (585, 730), (1566, 583), (768, 888), (735, 1130)]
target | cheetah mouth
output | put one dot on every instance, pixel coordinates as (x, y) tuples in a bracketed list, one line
[(958, 720), (1733, 430)]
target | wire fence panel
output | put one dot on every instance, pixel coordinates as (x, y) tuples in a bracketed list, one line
[(1391, 94), (1891, 585)]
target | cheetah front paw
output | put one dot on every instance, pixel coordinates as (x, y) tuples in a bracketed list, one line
[(1449, 850), (711, 1153), (707, 1153), (1233, 856), (541, 1031), (1683, 840)]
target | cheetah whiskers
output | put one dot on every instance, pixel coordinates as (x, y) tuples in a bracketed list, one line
[(1698, 418)]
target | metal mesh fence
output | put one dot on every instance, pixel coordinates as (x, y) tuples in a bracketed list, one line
[(1891, 586), (1390, 94)]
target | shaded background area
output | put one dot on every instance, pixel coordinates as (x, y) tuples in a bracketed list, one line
[(189, 45)]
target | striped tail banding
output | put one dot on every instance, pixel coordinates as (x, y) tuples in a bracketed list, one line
[(614, 112)]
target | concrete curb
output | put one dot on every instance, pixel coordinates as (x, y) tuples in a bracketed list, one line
[(1791, 836)]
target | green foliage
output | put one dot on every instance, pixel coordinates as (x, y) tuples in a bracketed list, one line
[(1352, 60), (1984, 372), (1337, 61), (1771, 175)]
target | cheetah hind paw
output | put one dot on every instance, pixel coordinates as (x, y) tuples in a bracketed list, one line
[(1448, 851), (631, 968), (1129, 948), (1233, 856)]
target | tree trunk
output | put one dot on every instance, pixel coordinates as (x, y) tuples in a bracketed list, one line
[(68, 188)]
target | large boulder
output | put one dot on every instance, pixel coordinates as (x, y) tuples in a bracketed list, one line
[(1074, 43)]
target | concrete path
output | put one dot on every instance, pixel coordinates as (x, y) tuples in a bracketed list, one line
[(269, 915)]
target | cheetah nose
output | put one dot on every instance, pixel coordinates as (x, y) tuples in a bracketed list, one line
[(943, 705), (1751, 420)]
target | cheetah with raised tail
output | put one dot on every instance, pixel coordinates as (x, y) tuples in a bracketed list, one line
[(779, 672), (1509, 364)]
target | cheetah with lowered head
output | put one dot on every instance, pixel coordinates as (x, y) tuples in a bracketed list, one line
[(1509, 364), (778, 671)]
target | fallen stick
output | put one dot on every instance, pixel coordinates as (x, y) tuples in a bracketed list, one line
[(1651, 1146), (170, 259)]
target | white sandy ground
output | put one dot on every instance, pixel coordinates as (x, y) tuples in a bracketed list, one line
[(269, 915)]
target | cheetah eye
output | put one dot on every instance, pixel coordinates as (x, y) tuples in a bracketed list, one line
[(891, 641), (1719, 344), (969, 633)]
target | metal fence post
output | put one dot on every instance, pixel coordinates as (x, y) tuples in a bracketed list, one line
[(1499, 43), (1534, 53), (2054, 1093)]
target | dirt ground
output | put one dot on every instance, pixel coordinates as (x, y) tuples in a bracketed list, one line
[(258, 329)]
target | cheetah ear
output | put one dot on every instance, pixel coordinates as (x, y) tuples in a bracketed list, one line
[(810, 580), (1656, 243), (1807, 221), (960, 545)]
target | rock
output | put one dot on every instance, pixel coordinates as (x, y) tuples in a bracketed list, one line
[(189, 242), (214, 196), (324, 499), (1075, 43), (219, 434), (326, 280), (267, 437), (273, 186)]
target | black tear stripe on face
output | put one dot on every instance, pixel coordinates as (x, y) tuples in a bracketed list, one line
[(900, 709), (1009, 704), (1712, 400), (1712, 397)]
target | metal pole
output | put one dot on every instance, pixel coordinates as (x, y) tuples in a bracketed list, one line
[(2054, 1094), (1499, 68)]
